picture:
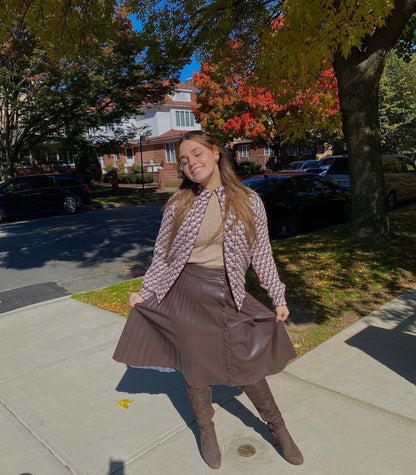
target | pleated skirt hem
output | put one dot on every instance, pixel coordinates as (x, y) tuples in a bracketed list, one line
[(198, 331)]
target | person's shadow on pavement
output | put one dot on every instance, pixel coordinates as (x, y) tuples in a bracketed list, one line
[(394, 348), (150, 381)]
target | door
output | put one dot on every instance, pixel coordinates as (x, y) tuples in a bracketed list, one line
[(44, 194), (129, 157), (16, 197)]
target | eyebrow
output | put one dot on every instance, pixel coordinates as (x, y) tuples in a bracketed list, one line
[(192, 151)]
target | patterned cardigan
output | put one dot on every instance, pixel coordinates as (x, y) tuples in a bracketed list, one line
[(165, 269)]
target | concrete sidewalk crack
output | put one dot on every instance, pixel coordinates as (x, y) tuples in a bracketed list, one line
[(352, 398), (87, 350), (43, 440)]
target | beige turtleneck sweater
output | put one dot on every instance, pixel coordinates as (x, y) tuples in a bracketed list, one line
[(207, 251)]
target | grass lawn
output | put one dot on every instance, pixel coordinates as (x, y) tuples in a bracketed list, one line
[(127, 195), (331, 280)]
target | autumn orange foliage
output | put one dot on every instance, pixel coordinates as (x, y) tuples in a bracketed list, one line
[(232, 105)]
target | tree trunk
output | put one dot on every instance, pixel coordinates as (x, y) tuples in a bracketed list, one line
[(358, 78), (358, 81), (7, 167), (276, 145)]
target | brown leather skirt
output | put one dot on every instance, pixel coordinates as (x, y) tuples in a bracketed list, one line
[(198, 331)]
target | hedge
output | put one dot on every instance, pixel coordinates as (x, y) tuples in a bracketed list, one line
[(132, 178)]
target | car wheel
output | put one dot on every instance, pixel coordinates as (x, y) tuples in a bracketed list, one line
[(70, 205), (286, 228), (391, 200)]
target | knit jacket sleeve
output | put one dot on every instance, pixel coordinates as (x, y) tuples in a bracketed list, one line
[(158, 266), (262, 257)]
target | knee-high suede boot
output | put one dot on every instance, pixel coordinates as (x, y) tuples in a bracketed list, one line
[(201, 401), (262, 398)]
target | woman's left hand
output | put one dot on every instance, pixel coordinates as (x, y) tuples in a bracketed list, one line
[(282, 313)]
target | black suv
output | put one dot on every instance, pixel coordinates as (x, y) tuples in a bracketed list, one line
[(38, 194)]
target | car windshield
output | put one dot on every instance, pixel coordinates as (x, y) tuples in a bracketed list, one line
[(264, 185), (4, 186), (309, 163), (340, 165), (294, 165)]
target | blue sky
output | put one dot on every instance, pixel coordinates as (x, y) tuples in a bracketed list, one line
[(188, 70)]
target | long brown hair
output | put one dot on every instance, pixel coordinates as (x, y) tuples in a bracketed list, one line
[(237, 196)]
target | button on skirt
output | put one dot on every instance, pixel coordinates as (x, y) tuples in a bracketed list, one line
[(197, 330)]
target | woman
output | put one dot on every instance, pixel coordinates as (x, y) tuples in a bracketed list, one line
[(192, 312)]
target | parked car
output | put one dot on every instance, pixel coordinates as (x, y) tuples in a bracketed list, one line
[(399, 177), (39, 194), (297, 202), (322, 166), (301, 166), (339, 171)]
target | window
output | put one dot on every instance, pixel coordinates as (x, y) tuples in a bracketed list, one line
[(52, 156), (268, 151), (401, 165), (339, 166), (71, 156), (389, 165), (109, 128), (184, 119), (19, 184), (170, 153), (244, 151), (181, 96), (25, 159), (42, 182), (129, 153), (67, 157), (68, 181)]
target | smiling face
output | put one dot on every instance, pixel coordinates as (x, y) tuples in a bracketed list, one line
[(200, 163)]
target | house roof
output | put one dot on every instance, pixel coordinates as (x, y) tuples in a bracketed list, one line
[(183, 86), (170, 134)]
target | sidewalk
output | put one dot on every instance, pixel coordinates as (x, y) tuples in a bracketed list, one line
[(350, 404)]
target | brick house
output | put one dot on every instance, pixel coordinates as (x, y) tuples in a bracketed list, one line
[(250, 151), (263, 156), (164, 125), (49, 157)]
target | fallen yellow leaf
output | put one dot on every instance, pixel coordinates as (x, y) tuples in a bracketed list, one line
[(297, 345), (124, 403)]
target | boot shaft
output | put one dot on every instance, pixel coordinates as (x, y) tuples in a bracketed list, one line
[(201, 402), (262, 398)]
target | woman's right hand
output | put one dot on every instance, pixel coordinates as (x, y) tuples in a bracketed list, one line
[(135, 299)]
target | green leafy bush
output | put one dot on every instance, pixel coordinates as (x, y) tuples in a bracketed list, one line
[(137, 167), (111, 166), (131, 178)]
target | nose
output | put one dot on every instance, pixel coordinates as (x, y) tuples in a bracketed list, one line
[(191, 161)]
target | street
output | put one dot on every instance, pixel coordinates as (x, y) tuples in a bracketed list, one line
[(49, 257)]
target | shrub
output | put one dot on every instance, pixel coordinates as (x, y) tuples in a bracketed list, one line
[(111, 166), (137, 167), (147, 178), (133, 178), (123, 177)]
